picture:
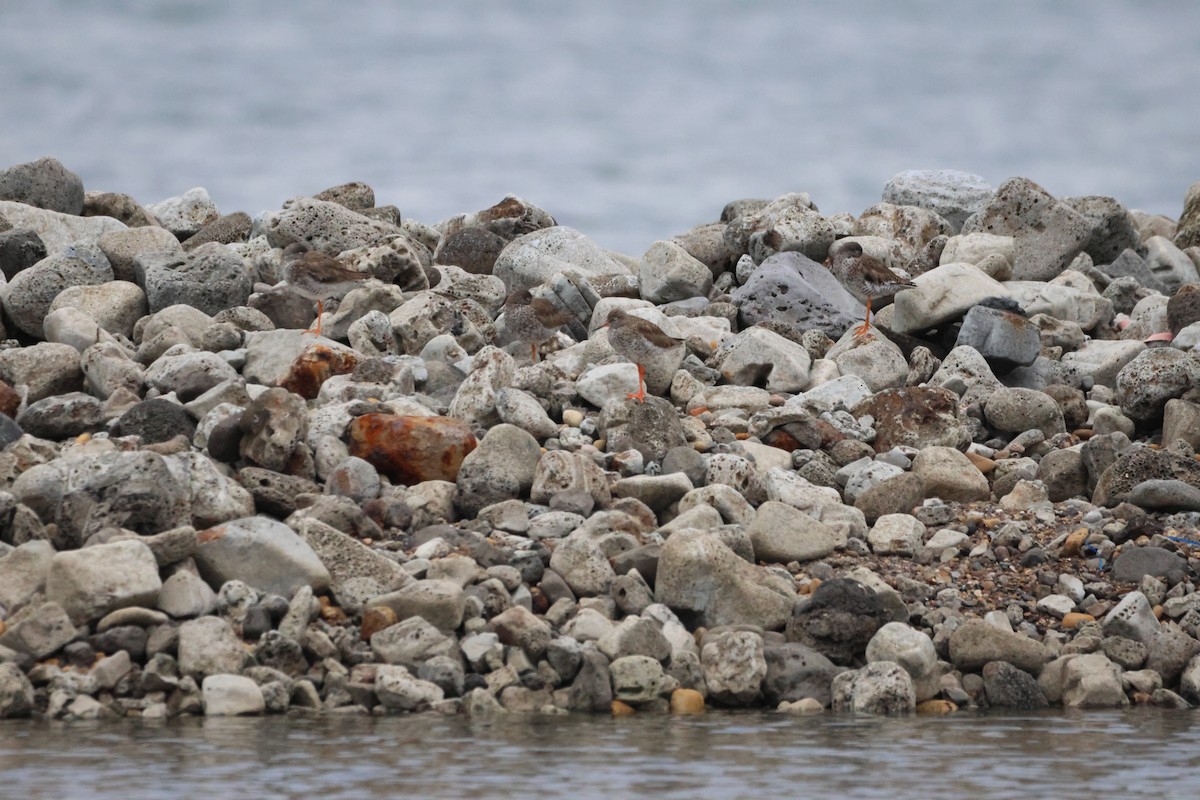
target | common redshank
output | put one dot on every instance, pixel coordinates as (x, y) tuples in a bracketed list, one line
[(864, 277), (318, 277), (640, 341), (532, 319)]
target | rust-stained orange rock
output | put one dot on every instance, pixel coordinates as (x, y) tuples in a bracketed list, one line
[(315, 365), (376, 619), (331, 613), (410, 450), (620, 709), (687, 701), (936, 707), (3, 627), (1074, 619)]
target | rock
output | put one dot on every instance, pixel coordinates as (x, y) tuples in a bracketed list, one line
[(1009, 687), (16, 692), (208, 646), (652, 428), (1018, 410), (948, 474), (882, 688), (186, 214), (533, 258), (1134, 563), (705, 582), (91, 582), (951, 194), (1006, 339), (156, 420), (1132, 618), (1151, 379), (635, 635), (875, 359), (38, 630), (592, 688), (913, 650), (231, 696), (782, 534), (1092, 681), (896, 535), (636, 679), (687, 701), (668, 273), (226, 229), (758, 356), (440, 603), (62, 417), (398, 690), (44, 183), (795, 672), (211, 278), (839, 620), (411, 642), (19, 249), (57, 231), (734, 667), (23, 573), (975, 643), (788, 287), (1048, 233), (519, 627), (917, 416), (186, 595), (942, 295), (28, 296), (282, 561), (410, 449), (1137, 465), (502, 467)]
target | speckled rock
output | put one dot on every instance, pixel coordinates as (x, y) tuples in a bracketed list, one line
[(915, 416), (943, 294), (948, 474), (789, 287), (1048, 232), (1017, 410), (502, 467), (882, 688), (1006, 339), (782, 534), (281, 562), (975, 643), (44, 183), (1153, 377), (27, 298), (56, 230)]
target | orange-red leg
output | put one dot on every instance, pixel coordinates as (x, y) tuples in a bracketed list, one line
[(316, 329), (640, 394), (865, 328)]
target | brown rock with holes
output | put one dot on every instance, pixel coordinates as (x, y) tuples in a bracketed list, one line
[(9, 400), (411, 450), (917, 416), (1184, 307), (226, 229), (474, 248)]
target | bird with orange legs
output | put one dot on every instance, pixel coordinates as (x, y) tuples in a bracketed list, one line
[(865, 277)]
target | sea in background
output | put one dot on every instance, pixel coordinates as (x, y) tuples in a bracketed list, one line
[(628, 120)]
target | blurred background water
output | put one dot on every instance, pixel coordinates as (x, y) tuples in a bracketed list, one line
[(628, 120)]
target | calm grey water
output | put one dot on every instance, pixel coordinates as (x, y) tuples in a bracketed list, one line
[(746, 755), (628, 120)]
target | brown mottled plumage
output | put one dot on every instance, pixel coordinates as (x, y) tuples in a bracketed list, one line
[(638, 340), (318, 277), (865, 277), (532, 319)]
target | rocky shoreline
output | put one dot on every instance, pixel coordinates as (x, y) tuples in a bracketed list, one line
[(989, 499)]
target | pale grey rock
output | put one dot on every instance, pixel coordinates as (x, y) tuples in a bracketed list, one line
[(952, 195), (16, 692), (398, 690), (1152, 378), (411, 642), (1005, 339), (881, 688), (975, 643), (874, 358), (781, 534), (1018, 410), (911, 649), (23, 573), (948, 474), (701, 579), (439, 602), (734, 666), (231, 696), (1049, 233), (46, 368), (28, 296), (502, 467), (1132, 618), (209, 646), (1101, 360), (896, 535), (187, 213), (328, 227), (91, 582), (122, 247), (534, 258), (263, 553), (1092, 681), (636, 679), (58, 231), (185, 595), (760, 356), (943, 294), (38, 630), (669, 273)]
